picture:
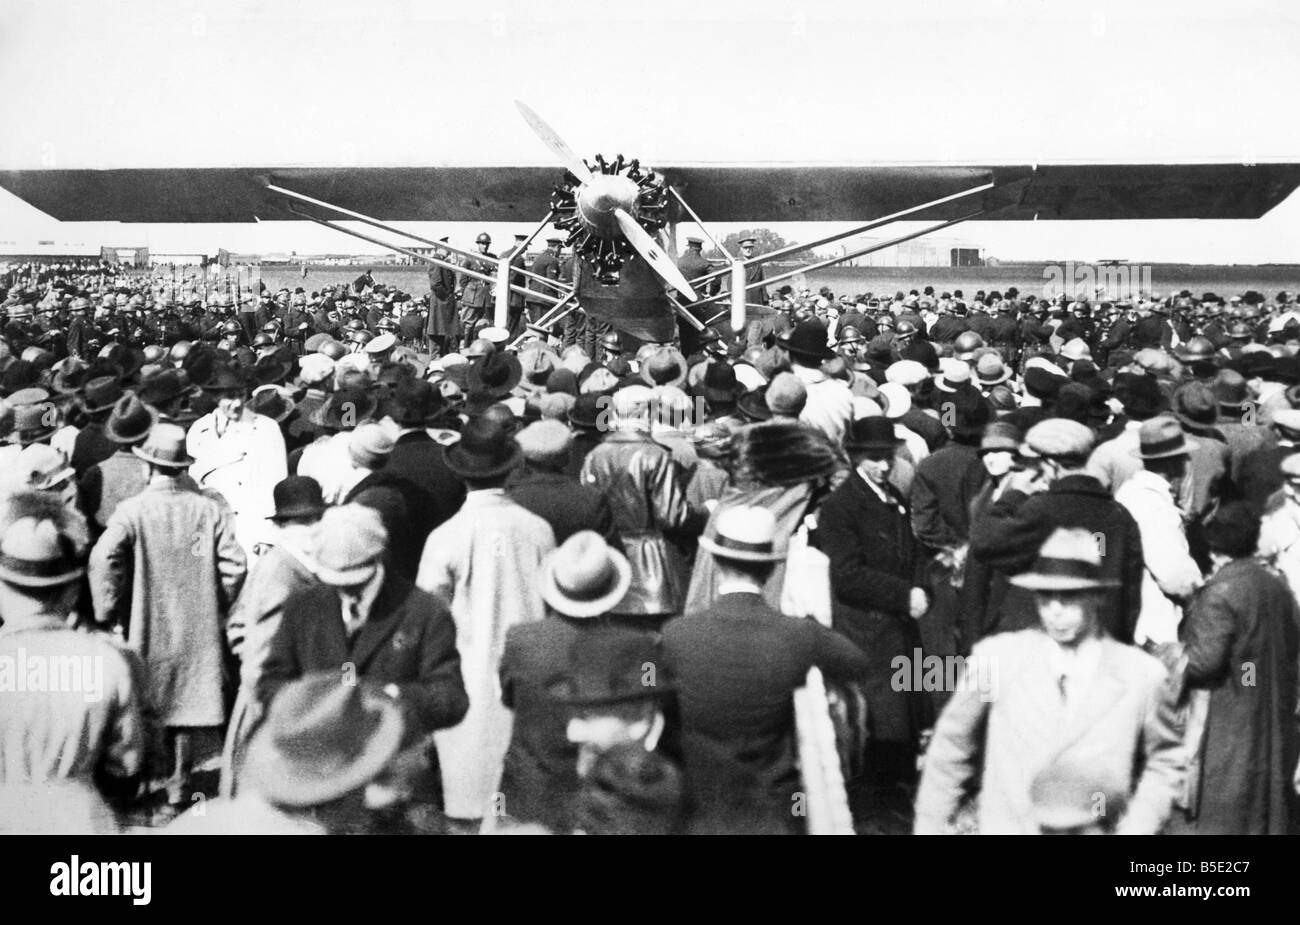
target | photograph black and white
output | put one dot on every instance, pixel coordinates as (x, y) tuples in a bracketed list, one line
[(761, 417)]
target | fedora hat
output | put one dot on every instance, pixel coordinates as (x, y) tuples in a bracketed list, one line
[(70, 377), (416, 403), (746, 534), (808, 341), (344, 408), (1196, 406), (36, 554), (34, 423), (666, 366), (297, 496), (102, 393), (586, 411), (1068, 560), (485, 450), (538, 362), (165, 446), (349, 540), (224, 378), (272, 401), (719, 384), (871, 434), (495, 374), (1160, 438), (164, 387), (322, 739), (43, 467), (991, 371), (130, 421), (584, 577)]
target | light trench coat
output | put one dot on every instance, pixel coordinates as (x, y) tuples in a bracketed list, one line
[(485, 562)]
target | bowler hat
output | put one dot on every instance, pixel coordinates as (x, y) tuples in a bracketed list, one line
[(321, 740), (871, 434), (297, 496), (584, 577), (666, 366), (808, 341), (416, 403), (165, 386)]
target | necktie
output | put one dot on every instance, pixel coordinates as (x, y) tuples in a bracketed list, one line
[(351, 615), (1062, 684)]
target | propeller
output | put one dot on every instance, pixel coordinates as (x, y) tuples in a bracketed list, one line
[(604, 204), (577, 166), (653, 254)]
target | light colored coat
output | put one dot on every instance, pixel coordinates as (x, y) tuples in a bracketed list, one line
[(168, 568), (64, 733), (1124, 720), (244, 464), (485, 561), (829, 407), (1170, 574)]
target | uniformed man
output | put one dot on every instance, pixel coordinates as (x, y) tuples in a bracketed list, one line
[(547, 264), (515, 313), (759, 322), (475, 295)]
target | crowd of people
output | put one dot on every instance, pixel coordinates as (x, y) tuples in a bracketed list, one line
[(350, 561)]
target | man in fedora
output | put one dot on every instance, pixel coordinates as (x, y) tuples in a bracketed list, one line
[(415, 407), (96, 736), (739, 765), (91, 446), (314, 767), (1170, 574), (285, 567), (484, 561), (1064, 691), (108, 483), (829, 407), (581, 582), (166, 571), (238, 453), (365, 622)]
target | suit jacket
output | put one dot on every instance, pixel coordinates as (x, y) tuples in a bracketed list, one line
[(564, 503), (736, 665), (1007, 538), (539, 777), (408, 639), (418, 458), (875, 561), (409, 514), (946, 483), (1119, 732)]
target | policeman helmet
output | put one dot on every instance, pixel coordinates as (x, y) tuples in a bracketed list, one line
[(483, 238)]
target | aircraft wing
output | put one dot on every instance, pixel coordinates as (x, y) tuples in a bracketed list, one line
[(717, 192)]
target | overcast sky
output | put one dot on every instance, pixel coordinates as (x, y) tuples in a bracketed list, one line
[(116, 84)]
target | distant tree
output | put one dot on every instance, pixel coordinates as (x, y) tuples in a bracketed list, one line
[(766, 242)]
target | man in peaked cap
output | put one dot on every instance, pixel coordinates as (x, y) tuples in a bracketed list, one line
[(1055, 490), (1060, 690)]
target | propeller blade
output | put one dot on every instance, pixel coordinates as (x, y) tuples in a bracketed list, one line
[(653, 254), (554, 142)]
